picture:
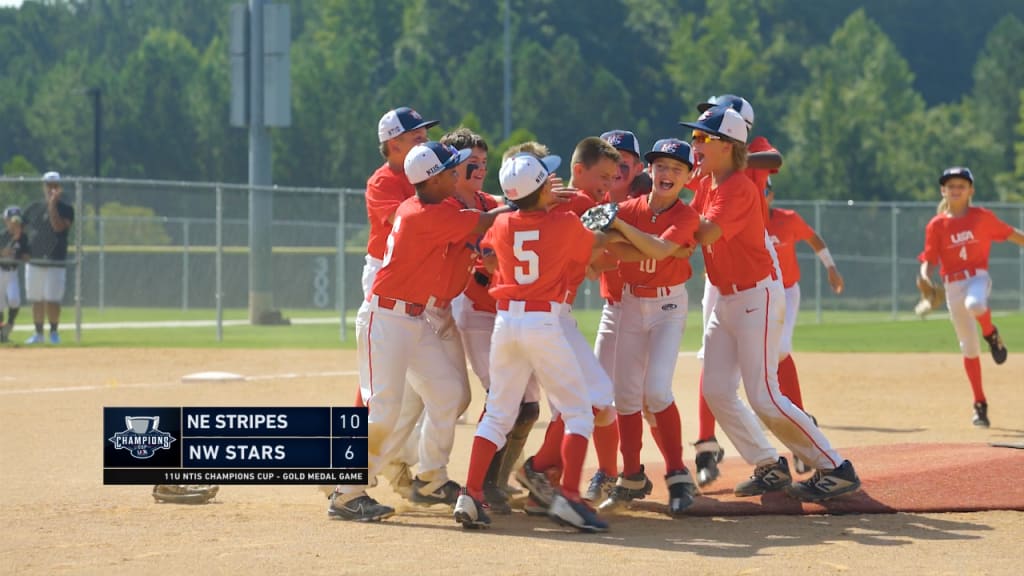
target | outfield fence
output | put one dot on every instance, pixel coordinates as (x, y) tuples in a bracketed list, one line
[(183, 245)]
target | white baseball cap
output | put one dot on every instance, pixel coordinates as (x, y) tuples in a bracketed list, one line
[(523, 174), (399, 121), (737, 103), (432, 158), (722, 121), (51, 177)]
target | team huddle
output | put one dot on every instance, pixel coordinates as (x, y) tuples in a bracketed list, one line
[(453, 274)]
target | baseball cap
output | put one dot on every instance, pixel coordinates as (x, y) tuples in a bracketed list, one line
[(431, 158), (523, 174), (671, 148), (956, 172), (51, 177), (399, 121), (622, 140), (721, 121), (12, 213), (737, 103)]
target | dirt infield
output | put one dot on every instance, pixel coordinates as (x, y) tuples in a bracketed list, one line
[(57, 518)]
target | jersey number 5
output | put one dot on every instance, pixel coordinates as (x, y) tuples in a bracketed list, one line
[(529, 273), (391, 241)]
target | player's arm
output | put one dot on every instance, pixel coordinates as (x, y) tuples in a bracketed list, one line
[(925, 272), (487, 218), (626, 252), (835, 279), (708, 232), (57, 222), (1017, 237), (769, 160), (651, 246)]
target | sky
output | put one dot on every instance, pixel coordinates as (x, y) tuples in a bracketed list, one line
[(10, 2)]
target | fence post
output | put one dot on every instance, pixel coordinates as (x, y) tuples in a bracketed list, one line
[(817, 269), (101, 237), (78, 263), (895, 260), (184, 266), (219, 264), (340, 276)]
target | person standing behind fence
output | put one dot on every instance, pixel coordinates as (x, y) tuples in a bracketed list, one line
[(47, 224), (13, 250), (958, 239)]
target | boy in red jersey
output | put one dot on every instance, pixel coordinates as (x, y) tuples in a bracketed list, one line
[(958, 239), (539, 253)]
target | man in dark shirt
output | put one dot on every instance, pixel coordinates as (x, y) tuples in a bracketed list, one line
[(47, 223), (13, 250)]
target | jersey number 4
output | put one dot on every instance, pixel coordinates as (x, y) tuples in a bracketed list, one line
[(529, 273), (963, 253)]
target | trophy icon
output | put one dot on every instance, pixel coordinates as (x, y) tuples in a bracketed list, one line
[(142, 424)]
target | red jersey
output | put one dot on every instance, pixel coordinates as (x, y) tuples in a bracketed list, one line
[(962, 244), (414, 263), (539, 255), (740, 256), (463, 256), (677, 224), (785, 229), (611, 283), (385, 190), (578, 203)]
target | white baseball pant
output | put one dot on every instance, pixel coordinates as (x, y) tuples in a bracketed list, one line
[(967, 299), (599, 384), (10, 291), (789, 322), (650, 331), (44, 283), (743, 340), (607, 336)]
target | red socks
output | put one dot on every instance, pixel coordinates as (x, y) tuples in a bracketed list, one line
[(606, 444), (671, 437), (985, 321), (574, 452), (706, 421), (479, 461), (550, 453), (631, 434), (359, 399), (789, 382), (973, 368)]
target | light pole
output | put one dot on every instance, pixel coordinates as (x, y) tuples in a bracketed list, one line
[(97, 130)]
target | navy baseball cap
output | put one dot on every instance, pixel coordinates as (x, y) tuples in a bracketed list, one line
[(721, 121), (399, 121), (737, 103), (671, 148), (622, 140), (956, 172), (432, 158), (12, 213)]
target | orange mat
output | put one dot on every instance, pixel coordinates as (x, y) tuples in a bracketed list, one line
[(895, 478)]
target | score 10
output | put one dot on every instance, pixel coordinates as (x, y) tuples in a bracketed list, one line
[(349, 422)]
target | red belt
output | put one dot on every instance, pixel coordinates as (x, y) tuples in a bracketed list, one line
[(408, 308), (730, 289), (648, 291), (528, 305), (962, 274)]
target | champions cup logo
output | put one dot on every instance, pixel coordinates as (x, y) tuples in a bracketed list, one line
[(142, 438), (614, 139)]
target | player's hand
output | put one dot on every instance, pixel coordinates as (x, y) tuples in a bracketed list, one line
[(685, 251), (836, 280), (53, 194), (592, 273)]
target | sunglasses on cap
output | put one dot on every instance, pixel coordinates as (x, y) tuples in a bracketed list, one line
[(703, 137)]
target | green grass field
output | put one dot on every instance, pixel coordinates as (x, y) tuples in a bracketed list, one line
[(840, 332)]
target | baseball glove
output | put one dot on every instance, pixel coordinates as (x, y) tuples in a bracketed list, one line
[(932, 297), (600, 217), (185, 493)]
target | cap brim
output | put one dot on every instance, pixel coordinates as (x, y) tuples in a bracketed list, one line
[(459, 157), (949, 177), (424, 124), (652, 156), (704, 106), (551, 163)]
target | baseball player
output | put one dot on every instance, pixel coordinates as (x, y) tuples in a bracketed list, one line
[(762, 161), (14, 249), (396, 338), (958, 239), (743, 332), (650, 328), (539, 253), (48, 223)]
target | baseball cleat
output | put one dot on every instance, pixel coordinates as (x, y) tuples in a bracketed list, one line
[(576, 514), (681, 491), (825, 485), (600, 488), (471, 513), (54, 338), (536, 482), (362, 508), (435, 492), (628, 488), (766, 478), (35, 339), (709, 454), (996, 346), (496, 499), (981, 415), (534, 508)]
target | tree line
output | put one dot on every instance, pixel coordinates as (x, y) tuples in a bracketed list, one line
[(866, 100)]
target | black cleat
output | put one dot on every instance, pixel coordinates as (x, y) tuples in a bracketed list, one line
[(981, 414), (429, 493), (360, 509), (709, 454), (681, 491), (628, 488), (996, 346), (471, 513), (825, 485), (767, 478)]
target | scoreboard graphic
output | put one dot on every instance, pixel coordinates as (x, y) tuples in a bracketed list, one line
[(188, 445)]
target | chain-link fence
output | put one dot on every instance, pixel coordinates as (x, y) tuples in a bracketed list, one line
[(180, 250)]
